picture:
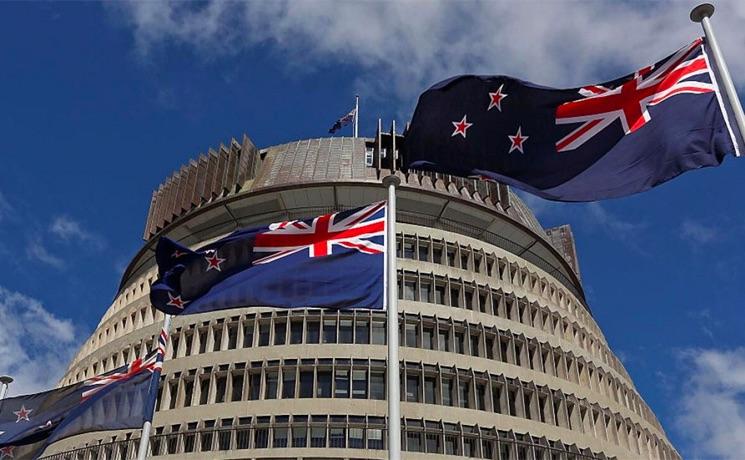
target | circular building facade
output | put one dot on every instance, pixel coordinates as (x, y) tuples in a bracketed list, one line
[(500, 355)]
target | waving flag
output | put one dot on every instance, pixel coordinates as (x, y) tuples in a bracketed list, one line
[(343, 121), (600, 141), (113, 401), (331, 261)]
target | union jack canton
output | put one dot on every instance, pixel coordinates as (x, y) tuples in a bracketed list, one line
[(330, 261), (583, 144)]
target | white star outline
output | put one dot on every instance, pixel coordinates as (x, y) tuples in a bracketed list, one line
[(23, 414), (517, 140), (496, 98)]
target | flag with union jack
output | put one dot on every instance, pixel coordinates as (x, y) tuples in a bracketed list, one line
[(116, 400), (582, 144), (335, 260)]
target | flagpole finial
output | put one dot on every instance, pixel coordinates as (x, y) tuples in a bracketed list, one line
[(391, 180), (704, 10)]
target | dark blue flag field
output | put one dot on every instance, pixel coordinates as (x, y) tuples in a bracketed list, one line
[(331, 261), (119, 399), (584, 144)]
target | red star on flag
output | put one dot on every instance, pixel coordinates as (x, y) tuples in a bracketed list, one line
[(461, 127), (517, 141), (214, 261), (495, 99), (176, 301), (22, 413), (7, 451)]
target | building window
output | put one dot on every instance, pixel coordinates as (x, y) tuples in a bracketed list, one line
[(378, 332), (329, 331), (323, 388), (232, 337), (413, 442), (362, 332), (318, 436), (341, 384), (237, 384), (412, 388), (356, 438), (359, 384), (375, 438), (271, 385), (411, 333), (299, 436), (296, 332), (306, 384), (217, 334), (264, 334), (313, 333), (248, 334), (280, 437), (337, 437), (346, 332), (377, 385), (369, 155), (280, 332), (430, 390), (288, 383), (220, 387), (447, 391)]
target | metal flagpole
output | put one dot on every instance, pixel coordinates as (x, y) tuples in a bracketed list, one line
[(5, 380), (155, 383), (394, 390), (356, 115), (701, 14)]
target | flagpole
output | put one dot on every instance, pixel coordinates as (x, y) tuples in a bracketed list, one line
[(154, 384), (701, 14), (356, 115), (5, 380), (394, 390)]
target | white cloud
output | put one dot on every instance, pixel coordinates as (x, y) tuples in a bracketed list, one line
[(712, 407), (35, 250), (35, 344), (697, 232), (612, 225), (405, 46), (5, 207), (69, 229)]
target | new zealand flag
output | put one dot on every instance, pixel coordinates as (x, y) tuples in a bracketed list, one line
[(331, 261), (117, 400), (584, 144)]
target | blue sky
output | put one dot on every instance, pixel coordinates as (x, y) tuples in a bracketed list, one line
[(98, 104)]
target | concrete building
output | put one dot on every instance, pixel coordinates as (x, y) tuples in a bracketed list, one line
[(500, 354)]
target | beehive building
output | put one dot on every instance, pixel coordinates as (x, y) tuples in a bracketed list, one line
[(500, 355)]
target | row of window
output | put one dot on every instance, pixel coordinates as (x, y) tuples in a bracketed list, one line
[(449, 292), (339, 432), (363, 327), (420, 383), (416, 247), (426, 249)]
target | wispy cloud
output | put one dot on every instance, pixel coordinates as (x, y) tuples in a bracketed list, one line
[(35, 250), (612, 225), (415, 43), (697, 232), (712, 405), (35, 344), (68, 229), (5, 207)]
